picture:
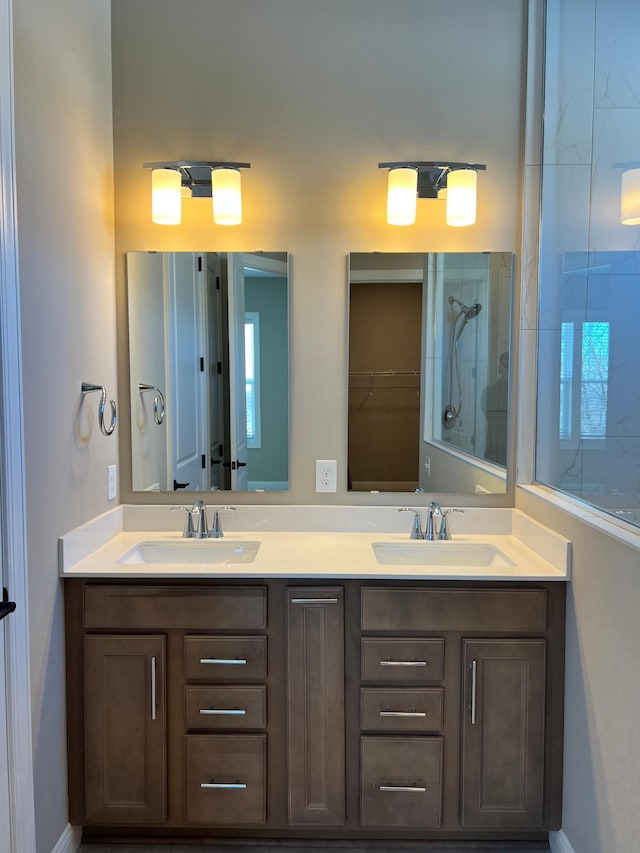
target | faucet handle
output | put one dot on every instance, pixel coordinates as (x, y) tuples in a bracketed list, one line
[(216, 531), (416, 529), (443, 533), (189, 531)]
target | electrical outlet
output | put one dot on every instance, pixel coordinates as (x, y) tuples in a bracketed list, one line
[(326, 475), (427, 465), (112, 486)]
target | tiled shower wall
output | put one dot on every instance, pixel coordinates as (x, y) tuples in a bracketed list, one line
[(590, 262)]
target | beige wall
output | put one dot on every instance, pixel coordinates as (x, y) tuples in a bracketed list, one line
[(65, 233), (602, 748), (314, 95)]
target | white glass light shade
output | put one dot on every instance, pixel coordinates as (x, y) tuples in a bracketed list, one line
[(461, 197), (226, 195), (630, 197), (402, 191), (166, 196)]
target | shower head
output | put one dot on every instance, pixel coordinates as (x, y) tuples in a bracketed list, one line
[(473, 311), (469, 311)]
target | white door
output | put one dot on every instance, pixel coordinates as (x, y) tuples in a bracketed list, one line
[(237, 378), (214, 345), (5, 836), (187, 394), (17, 818)]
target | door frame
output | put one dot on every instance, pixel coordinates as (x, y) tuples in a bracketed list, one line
[(12, 515)]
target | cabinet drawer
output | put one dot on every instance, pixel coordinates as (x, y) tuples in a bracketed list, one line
[(225, 779), (165, 607), (401, 781), (411, 661), (225, 707), (402, 710), (419, 609), (225, 658)]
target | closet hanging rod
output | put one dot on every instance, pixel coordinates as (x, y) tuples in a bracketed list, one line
[(87, 388), (384, 373)]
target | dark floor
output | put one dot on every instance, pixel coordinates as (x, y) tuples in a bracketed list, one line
[(450, 847)]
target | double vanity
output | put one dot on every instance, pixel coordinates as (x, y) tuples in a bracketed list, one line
[(317, 674)]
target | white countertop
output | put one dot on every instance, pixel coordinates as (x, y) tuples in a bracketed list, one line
[(93, 550)]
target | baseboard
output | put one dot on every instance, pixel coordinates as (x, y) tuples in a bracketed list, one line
[(559, 843), (70, 840)]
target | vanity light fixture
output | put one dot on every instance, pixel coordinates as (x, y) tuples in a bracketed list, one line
[(630, 197), (177, 179), (455, 182)]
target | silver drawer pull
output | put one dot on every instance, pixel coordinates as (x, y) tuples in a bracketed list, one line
[(314, 600), (225, 661), (402, 714), (153, 688), (224, 712), (224, 786), (404, 788), (474, 679), (404, 663)]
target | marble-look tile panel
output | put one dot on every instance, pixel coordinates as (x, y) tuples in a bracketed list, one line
[(548, 414), (525, 449), (615, 142), (610, 468), (568, 108), (530, 248), (535, 84), (614, 263), (565, 231), (617, 65)]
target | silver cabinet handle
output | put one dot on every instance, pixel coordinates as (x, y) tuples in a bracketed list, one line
[(223, 712), (225, 661), (153, 688), (405, 788), (474, 676), (314, 600), (224, 786), (403, 714), (404, 663)]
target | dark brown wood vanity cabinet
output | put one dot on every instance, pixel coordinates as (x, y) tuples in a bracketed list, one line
[(125, 728), (339, 710), (315, 706)]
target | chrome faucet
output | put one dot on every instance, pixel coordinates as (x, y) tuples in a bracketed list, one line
[(432, 531), (195, 522), (216, 531)]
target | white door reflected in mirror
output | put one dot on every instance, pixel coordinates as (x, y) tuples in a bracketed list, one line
[(210, 330)]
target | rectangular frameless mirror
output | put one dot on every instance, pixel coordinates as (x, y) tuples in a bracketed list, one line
[(429, 338), (209, 370)]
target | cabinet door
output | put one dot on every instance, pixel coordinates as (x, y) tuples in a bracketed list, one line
[(503, 733), (315, 706), (125, 763)]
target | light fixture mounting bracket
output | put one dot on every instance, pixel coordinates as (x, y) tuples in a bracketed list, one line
[(195, 175), (432, 174)]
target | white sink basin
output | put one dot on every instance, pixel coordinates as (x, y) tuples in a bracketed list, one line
[(423, 553), (192, 551)]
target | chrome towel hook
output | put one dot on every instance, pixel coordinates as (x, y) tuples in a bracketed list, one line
[(158, 401), (87, 388)]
